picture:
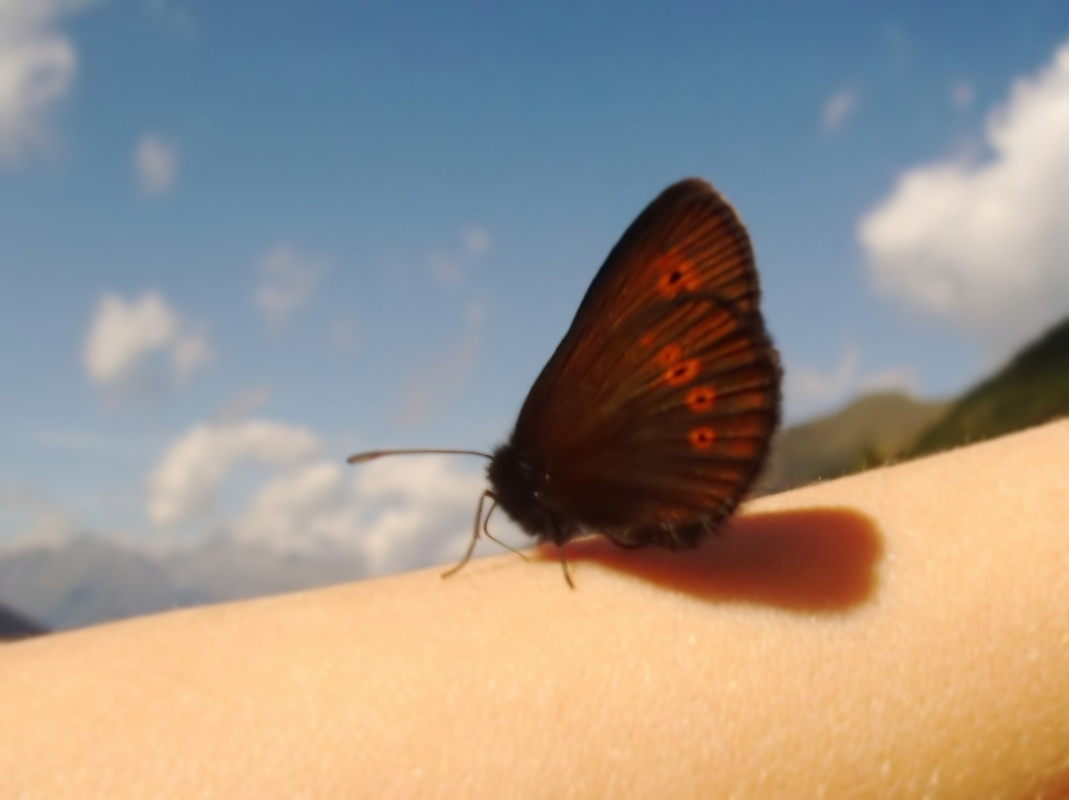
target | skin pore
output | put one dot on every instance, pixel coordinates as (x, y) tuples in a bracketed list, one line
[(899, 633)]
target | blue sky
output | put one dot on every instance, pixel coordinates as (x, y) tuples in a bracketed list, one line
[(238, 241)]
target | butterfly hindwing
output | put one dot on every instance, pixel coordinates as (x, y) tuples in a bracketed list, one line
[(684, 420)]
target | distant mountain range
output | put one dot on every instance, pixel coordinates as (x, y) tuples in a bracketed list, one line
[(1033, 388), (870, 431), (90, 579)]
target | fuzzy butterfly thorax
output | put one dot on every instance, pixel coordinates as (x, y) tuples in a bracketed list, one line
[(520, 487)]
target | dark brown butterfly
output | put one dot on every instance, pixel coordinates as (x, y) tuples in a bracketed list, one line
[(655, 413)]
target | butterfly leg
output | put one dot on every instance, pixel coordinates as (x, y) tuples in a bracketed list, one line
[(564, 566), (474, 534), (492, 538), (558, 540)]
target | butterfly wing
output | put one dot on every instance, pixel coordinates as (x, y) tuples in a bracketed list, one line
[(655, 412)]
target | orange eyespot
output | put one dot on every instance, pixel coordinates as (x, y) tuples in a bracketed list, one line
[(683, 372), (647, 339), (702, 438), (669, 355), (676, 274), (701, 398)]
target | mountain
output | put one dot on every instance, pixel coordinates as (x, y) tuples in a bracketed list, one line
[(869, 431), (90, 579), (1032, 389)]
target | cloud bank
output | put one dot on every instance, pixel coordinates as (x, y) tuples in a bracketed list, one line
[(156, 164), (124, 334), (983, 244), (838, 109), (185, 483), (37, 67), (810, 389), (450, 265), (395, 513), (288, 280)]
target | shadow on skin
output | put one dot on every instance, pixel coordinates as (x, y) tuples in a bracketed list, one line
[(820, 560), (1049, 787)]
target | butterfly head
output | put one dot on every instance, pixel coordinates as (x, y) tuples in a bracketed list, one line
[(520, 486)]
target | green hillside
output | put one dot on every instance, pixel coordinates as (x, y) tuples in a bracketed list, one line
[(869, 431), (1032, 389)]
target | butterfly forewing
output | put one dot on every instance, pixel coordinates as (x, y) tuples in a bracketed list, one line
[(689, 239), (657, 408)]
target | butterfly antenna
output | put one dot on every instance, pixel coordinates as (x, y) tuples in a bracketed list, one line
[(371, 455)]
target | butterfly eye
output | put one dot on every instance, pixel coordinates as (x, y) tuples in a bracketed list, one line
[(682, 373), (702, 438), (701, 398)]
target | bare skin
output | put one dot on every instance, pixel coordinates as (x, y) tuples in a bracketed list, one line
[(902, 633)]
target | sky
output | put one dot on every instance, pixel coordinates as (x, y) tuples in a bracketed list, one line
[(241, 241)]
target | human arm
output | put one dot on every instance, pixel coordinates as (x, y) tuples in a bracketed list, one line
[(897, 633)]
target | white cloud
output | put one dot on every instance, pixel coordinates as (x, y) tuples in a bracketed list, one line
[(444, 266), (399, 513), (420, 510), (29, 518), (344, 337), (156, 163), (962, 94), (477, 241), (436, 383), (124, 334), (984, 245), (288, 280), (191, 352), (184, 484), (450, 264), (300, 509), (838, 109), (809, 386), (809, 389), (37, 68)]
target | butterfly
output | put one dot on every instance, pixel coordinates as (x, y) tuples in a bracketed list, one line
[(654, 415)]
